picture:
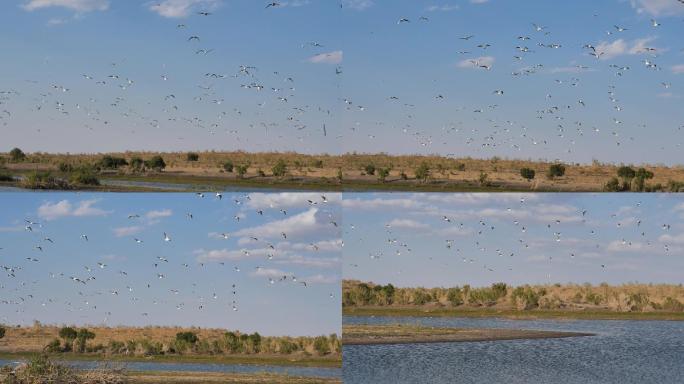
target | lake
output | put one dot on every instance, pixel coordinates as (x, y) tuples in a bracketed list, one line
[(623, 352), (205, 367)]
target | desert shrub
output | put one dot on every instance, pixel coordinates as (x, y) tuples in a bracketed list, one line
[(241, 170), (280, 169), (321, 345), (527, 173), (2, 332), (423, 172), (593, 298), (637, 301), (484, 179), (455, 296), (287, 347), (527, 297), (192, 156), (318, 163), (137, 164), (555, 170), (65, 167), (156, 162), (461, 167), (261, 173), (613, 185), (383, 173), (111, 162), (420, 297), (44, 180), (53, 346), (116, 347), (17, 155), (84, 177), (233, 343), (673, 305), (626, 172), (369, 169), (188, 337), (228, 166)]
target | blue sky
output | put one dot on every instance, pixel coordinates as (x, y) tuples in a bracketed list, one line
[(198, 266), (404, 87), (478, 239)]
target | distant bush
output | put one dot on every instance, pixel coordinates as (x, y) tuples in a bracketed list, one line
[(455, 296), (484, 179), (2, 332), (321, 345), (192, 156), (461, 167), (137, 164), (626, 172), (188, 337), (527, 173), (673, 305), (280, 169), (287, 347), (370, 169), (84, 177), (44, 180), (156, 162), (53, 346), (242, 170), (555, 170), (17, 155), (111, 162), (228, 166), (423, 172), (527, 297), (65, 167), (383, 173)]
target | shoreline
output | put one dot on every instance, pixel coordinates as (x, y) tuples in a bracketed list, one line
[(186, 359), (401, 334), (510, 314)]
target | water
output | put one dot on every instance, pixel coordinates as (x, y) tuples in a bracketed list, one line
[(206, 367), (624, 352)]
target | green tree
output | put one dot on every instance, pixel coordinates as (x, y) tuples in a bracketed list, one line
[(17, 155), (527, 173), (136, 163), (280, 169), (156, 162), (111, 162), (228, 166), (370, 169), (241, 170), (188, 337), (423, 172), (82, 337), (626, 173), (68, 334), (321, 345), (556, 170), (383, 173)]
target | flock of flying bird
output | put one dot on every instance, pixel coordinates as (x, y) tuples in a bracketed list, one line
[(472, 239), (247, 99), (164, 278)]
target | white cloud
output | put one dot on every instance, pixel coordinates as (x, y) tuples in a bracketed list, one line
[(678, 69), (80, 6), (358, 5), (619, 246), (380, 203), (476, 62), (669, 239), (621, 47), (316, 262), (289, 199), (658, 7), (269, 272), (127, 231), (302, 223), (151, 215), (407, 223), (334, 57), (228, 254), (442, 8), (182, 8), (52, 211), (334, 245), (321, 279)]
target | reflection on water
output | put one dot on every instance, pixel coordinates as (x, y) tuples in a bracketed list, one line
[(204, 367), (622, 352)]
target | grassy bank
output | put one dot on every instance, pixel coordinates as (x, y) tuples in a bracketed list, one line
[(216, 378), (312, 361), (409, 334), (352, 172), (627, 301)]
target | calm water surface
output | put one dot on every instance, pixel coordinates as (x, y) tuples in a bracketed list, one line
[(622, 352)]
